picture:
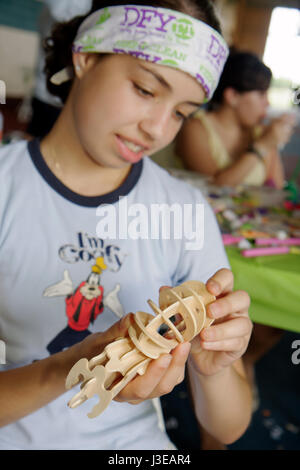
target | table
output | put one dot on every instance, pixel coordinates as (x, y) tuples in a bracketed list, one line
[(273, 283)]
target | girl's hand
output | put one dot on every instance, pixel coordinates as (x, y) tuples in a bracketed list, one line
[(226, 340), (220, 345), (161, 376), (214, 349)]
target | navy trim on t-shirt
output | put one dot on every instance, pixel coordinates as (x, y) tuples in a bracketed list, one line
[(88, 201)]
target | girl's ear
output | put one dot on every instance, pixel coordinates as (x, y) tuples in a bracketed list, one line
[(231, 97), (83, 62)]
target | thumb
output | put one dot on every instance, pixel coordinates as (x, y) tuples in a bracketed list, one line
[(164, 287), (118, 329)]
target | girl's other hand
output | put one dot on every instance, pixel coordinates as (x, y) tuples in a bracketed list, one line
[(226, 340)]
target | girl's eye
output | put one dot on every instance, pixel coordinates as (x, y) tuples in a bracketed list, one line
[(180, 116), (142, 91)]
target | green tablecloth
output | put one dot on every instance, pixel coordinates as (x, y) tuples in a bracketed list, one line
[(273, 283)]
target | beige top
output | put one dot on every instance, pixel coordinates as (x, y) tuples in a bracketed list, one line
[(255, 177)]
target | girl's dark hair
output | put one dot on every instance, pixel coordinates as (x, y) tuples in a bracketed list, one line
[(58, 47), (243, 72)]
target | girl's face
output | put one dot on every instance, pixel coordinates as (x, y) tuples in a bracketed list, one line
[(124, 108), (252, 107)]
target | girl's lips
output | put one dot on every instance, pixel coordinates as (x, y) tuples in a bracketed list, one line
[(126, 153)]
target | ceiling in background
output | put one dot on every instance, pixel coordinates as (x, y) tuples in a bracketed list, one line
[(274, 3)]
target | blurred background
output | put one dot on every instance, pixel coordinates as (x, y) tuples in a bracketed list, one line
[(269, 28)]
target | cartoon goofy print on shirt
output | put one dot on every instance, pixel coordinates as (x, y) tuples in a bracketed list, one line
[(83, 305)]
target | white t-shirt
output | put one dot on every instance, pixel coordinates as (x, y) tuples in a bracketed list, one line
[(49, 236)]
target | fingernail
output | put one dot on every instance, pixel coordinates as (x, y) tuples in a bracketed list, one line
[(163, 287), (213, 310), (214, 286), (186, 347), (165, 361), (206, 334)]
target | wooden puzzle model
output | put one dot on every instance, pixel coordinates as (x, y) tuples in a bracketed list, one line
[(181, 315)]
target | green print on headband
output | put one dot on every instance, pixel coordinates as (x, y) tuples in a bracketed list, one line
[(170, 63), (104, 16), (90, 43), (168, 52), (183, 29), (158, 35)]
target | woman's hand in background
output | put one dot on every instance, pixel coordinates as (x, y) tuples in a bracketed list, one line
[(278, 133)]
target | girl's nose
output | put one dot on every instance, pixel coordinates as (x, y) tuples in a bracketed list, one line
[(156, 124)]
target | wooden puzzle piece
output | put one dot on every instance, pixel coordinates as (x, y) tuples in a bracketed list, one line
[(105, 381), (181, 315), (195, 288)]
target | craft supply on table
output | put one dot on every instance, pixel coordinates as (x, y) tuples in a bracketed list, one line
[(250, 216), (256, 218), (265, 251), (276, 241), (230, 239), (268, 251)]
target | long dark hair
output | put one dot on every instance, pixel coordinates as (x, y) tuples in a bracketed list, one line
[(58, 46), (243, 72)]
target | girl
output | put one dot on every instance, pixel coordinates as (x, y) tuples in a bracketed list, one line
[(73, 258)]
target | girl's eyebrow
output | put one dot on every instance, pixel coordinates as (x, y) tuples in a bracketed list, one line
[(158, 77), (164, 83)]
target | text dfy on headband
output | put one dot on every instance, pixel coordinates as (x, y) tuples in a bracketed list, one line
[(158, 35)]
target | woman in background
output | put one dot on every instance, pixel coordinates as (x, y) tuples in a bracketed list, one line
[(229, 141)]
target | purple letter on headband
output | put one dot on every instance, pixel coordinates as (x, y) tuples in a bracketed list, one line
[(141, 55), (119, 51), (138, 55), (136, 17), (216, 50), (155, 14), (203, 83), (77, 48), (164, 22), (139, 19)]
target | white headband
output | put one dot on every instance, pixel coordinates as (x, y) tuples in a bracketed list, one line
[(158, 35)]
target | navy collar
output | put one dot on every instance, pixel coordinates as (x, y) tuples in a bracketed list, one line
[(87, 201)]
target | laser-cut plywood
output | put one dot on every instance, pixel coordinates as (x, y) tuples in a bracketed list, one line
[(181, 315)]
